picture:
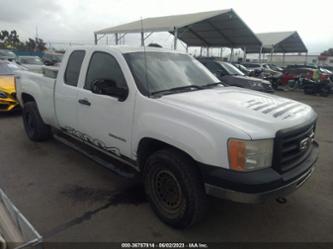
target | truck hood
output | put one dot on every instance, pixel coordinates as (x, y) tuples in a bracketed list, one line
[(258, 114)]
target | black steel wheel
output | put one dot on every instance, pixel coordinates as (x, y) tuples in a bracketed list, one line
[(174, 188), (34, 126)]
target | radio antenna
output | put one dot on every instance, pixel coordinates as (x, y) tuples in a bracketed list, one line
[(144, 56)]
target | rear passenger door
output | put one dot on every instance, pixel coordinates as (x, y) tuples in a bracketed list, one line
[(66, 90)]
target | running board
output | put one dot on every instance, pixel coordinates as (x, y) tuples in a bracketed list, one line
[(119, 168)]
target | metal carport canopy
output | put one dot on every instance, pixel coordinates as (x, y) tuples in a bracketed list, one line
[(220, 28), (279, 42)]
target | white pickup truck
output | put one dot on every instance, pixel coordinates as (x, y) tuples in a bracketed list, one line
[(165, 115)]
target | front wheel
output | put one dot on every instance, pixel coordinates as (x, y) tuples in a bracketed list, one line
[(174, 188), (34, 126)]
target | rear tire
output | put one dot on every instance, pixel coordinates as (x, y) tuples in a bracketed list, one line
[(174, 188), (34, 126), (325, 91)]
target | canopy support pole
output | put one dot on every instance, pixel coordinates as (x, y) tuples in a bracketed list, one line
[(175, 39), (116, 38), (283, 58), (142, 39), (221, 53), (231, 55), (96, 41), (306, 58), (200, 51), (244, 55), (272, 51), (260, 54), (207, 51)]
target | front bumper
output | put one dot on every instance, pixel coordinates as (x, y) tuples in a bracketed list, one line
[(257, 186)]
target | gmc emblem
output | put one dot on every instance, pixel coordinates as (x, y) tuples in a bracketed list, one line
[(306, 142)]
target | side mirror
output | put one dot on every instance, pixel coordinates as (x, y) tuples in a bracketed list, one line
[(109, 87)]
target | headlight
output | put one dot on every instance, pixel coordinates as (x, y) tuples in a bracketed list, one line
[(3, 95), (256, 84), (248, 155)]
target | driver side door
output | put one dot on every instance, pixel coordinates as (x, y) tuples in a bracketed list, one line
[(105, 119)]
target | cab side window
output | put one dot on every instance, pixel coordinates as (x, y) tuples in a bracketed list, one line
[(73, 68), (104, 67)]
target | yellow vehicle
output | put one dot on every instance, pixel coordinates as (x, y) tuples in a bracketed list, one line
[(8, 101)]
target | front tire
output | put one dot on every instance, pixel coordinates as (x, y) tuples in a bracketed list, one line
[(34, 126), (174, 188)]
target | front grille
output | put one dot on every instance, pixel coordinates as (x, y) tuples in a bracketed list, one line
[(292, 147)]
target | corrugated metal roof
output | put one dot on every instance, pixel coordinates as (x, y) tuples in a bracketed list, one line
[(164, 23), (282, 42), (220, 28)]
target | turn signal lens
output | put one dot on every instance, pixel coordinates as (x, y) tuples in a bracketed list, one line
[(237, 155)]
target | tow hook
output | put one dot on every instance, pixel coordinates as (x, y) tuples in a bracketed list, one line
[(281, 200)]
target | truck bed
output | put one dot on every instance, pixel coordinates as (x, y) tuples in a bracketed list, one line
[(41, 87)]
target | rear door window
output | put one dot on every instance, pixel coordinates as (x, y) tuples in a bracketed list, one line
[(73, 68)]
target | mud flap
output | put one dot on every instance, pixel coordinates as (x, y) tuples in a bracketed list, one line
[(16, 232)]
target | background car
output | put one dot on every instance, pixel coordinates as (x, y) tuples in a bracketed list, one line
[(32, 63), (261, 70), (275, 67), (52, 58), (293, 73), (232, 76), (8, 101), (6, 54), (243, 69)]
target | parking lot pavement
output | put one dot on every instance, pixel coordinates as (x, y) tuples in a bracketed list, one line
[(67, 197)]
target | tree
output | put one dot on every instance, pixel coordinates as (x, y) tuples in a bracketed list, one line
[(11, 40), (40, 44)]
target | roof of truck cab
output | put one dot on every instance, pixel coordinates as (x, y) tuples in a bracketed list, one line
[(127, 49)]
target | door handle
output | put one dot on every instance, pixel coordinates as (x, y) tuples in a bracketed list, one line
[(84, 102)]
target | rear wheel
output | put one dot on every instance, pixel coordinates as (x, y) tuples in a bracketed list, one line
[(325, 91), (34, 126), (309, 90), (292, 84), (174, 188)]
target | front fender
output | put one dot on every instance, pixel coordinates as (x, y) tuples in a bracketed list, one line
[(185, 136)]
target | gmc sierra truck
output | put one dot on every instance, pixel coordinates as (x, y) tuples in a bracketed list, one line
[(163, 114)]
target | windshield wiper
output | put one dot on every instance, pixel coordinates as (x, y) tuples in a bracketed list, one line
[(213, 85), (177, 89)]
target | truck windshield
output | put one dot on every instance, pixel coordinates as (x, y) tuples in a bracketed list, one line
[(162, 71)]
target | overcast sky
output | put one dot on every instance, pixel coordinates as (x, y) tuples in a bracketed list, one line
[(75, 20)]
